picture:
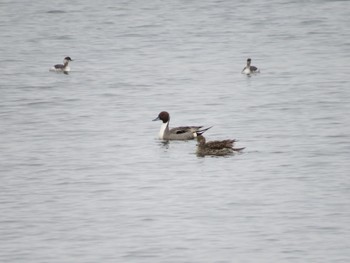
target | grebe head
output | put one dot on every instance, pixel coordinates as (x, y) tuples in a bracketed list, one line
[(66, 60)]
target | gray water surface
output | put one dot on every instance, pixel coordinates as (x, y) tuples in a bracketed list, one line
[(83, 177)]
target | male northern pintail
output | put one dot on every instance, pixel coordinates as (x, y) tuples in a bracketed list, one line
[(250, 69), (178, 133), (218, 148), (62, 67)]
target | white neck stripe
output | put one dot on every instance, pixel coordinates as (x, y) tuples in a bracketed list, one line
[(162, 130)]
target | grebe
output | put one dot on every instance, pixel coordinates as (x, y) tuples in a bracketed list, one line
[(62, 67), (250, 69)]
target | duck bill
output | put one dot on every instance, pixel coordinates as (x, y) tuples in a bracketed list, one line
[(156, 119)]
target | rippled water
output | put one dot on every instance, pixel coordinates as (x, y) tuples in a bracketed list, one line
[(84, 177)]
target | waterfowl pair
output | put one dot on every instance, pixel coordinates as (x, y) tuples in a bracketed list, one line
[(177, 133), (248, 69)]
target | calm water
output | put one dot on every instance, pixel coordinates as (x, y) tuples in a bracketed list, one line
[(83, 177)]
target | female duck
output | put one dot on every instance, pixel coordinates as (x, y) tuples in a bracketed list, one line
[(216, 148)]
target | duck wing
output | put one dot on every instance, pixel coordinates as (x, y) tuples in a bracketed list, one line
[(185, 129), (220, 144)]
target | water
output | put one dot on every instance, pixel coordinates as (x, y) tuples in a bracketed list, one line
[(84, 177)]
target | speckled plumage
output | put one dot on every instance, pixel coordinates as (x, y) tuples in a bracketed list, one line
[(218, 148)]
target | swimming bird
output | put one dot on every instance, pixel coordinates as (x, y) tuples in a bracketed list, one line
[(178, 133), (62, 67), (250, 69), (217, 148)]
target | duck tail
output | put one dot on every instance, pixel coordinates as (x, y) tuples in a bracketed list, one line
[(200, 132), (238, 149)]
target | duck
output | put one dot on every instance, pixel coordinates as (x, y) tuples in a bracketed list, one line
[(178, 133), (250, 69), (216, 148), (62, 67)]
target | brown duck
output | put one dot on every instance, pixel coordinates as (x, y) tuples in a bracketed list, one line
[(218, 148)]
